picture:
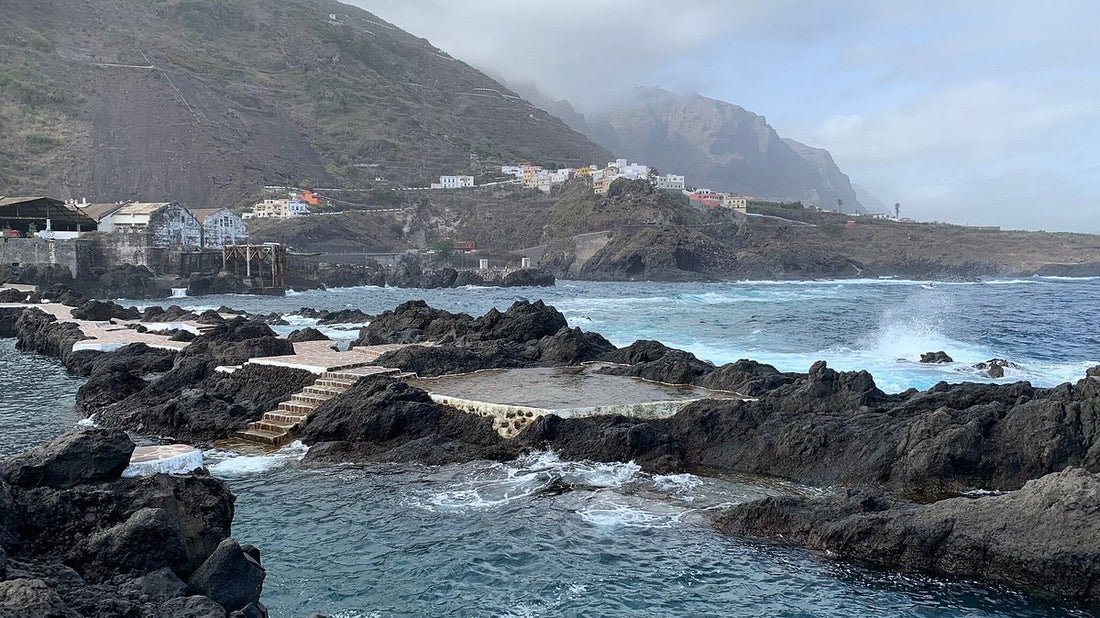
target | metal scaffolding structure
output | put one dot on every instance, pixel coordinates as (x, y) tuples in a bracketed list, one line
[(263, 264)]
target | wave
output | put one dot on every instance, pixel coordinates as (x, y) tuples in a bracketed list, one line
[(612, 514), (1061, 278), (229, 464), (538, 473)]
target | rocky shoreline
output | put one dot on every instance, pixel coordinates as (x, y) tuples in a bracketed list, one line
[(78, 539), (138, 282), (900, 471)]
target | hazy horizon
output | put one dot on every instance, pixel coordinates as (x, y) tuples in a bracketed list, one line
[(963, 114)]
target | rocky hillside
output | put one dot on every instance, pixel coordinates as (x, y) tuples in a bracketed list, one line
[(206, 100), (716, 145)]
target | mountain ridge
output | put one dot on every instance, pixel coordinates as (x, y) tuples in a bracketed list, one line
[(714, 143), (206, 100)]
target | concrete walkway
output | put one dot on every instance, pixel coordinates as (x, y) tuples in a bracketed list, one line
[(109, 336), (319, 357)]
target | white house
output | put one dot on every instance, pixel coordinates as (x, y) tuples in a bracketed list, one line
[(671, 182), (279, 209), (453, 182), (221, 227), (736, 202)]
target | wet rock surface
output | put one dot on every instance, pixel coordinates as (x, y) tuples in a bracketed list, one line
[(1042, 536), (936, 357), (79, 540)]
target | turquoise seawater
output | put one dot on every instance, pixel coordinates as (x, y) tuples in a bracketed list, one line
[(545, 537)]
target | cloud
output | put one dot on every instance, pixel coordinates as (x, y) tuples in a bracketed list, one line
[(589, 52), (944, 106), (985, 119)]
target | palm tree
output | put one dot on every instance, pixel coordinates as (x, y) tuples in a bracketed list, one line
[(897, 210), (839, 203)]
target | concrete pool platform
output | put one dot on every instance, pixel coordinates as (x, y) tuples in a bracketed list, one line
[(514, 398)]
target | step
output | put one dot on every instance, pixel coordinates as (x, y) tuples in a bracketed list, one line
[(334, 383), (306, 398), (272, 427), (338, 375), (281, 418), (296, 408), (264, 437), (323, 391)]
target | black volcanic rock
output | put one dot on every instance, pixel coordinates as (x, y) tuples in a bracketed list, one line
[(936, 357), (414, 322), (523, 321), (1042, 536), (37, 331), (607, 439), (191, 402), (79, 540), (182, 396), (379, 419), (12, 295), (306, 334), (230, 576), (74, 458), (234, 341), (747, 377), (528, 277), (673, 367), (218, 283), (526, 335), (149, 540), (102, 311)]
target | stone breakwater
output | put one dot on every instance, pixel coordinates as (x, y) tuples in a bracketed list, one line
[(79, 540), (900, 468)]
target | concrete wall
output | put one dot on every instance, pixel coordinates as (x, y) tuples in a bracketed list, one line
[(75, 254), (123, 246)]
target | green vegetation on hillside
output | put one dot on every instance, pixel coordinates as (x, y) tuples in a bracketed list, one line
[(212, 99)]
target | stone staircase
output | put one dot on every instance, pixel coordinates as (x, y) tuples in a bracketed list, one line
[(279, 426)]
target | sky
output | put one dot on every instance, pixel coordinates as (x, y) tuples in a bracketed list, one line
[(973, 112)]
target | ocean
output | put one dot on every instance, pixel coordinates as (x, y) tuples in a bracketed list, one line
[(546, 537)]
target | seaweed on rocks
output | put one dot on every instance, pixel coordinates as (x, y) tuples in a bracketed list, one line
[(79, 540)]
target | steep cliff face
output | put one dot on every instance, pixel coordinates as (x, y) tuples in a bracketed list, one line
[(204, 101), (833, 181), (720, 146)]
